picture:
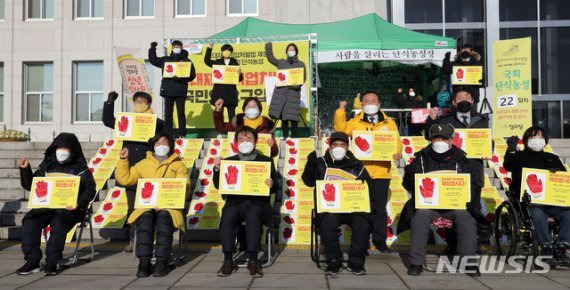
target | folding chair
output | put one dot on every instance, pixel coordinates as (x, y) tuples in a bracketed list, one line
[(175, 257), (269, 242), (315, 249)]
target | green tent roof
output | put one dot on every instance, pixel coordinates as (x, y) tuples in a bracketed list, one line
[(366, 32)]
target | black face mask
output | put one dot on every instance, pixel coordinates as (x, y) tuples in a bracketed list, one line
[(465, 54), (464, 106)]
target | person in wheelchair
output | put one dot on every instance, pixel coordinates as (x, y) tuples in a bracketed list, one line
[(256, 211), (533, 156), (440, 155), (63, 156), (163, 162), (338, 156)]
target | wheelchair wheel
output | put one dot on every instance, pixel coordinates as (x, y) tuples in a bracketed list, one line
[(506, 227)]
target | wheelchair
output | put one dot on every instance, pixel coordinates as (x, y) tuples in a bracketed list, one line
[(513, 226)]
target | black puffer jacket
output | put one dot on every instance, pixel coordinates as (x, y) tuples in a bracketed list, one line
[(228, 93), (75, 165), (316, 168), (514, 162), (172, 87), (477, 121)]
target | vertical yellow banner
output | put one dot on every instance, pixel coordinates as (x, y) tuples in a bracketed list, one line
[(512, 109)]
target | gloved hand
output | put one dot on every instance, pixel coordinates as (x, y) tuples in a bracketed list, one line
[(112, 96), (153, 44), (512, 143)]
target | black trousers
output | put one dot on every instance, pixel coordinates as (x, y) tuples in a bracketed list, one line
[(465, 227), (60, 220), (180, 111), (233, 215), (328, 228), (231, 112), (131, 196), (285, 128), (147, 224), (380, 189)]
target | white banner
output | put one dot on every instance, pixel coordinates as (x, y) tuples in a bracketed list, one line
[(407, 56)]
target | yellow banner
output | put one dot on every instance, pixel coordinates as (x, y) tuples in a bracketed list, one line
[(295, 234), (374, 145), (289, 219), (442, 191), (164, 193), (297, 151), (254, 67), (297, 207), (298, 190), (244, 177), (188, 149), (340, 196), (54, 192), (512, 107), (203, 222), (290, 77), (112, 212), (545, 187), (467, 75), (134, 127), (225, 74), (177, 69), (475, 142), (101, 174)]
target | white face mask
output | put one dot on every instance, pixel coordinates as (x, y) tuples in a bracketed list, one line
[(161, 150), (62, 155), (536, 144), (245, 147), (176, 50), (251, 113), (338, 153), (412, 94), (440, 147), (291, 53), (370, 109)]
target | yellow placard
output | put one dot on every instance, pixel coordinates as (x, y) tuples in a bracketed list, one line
[(54, 192), (165, 193), (342, 196), (375, 145), (134, 127), (290, 77), (177, 69), (189, 150), (244, 177), (225, 74), (467, 75), (338, 174), (475, 142), (512, 87), (112, 212), (545, 187), (442, 190)]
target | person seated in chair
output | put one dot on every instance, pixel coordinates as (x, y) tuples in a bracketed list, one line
[(442, 155), (162, 163), (63, 157), (533, 156), (338, 156), (256, 211)]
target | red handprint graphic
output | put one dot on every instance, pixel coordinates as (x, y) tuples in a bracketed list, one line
[(91, 169), (459, 74), (146, 192), (362, 144), (210, 161), (123, 124), (193, 220), (389, 232), (290, 183), (115, 194), (213, 151), (177, 151), (42, 190), (289, 220), (232, 175), (216, 142), (218, 74), (103, 151), (204, 182), (458, 141), (234, 146), (98, 219), (291, 161), (110, 143), (292, 172), (208, 172), (495, 159), (426, 189), (287, 233), (290, 193), (289, 205), (507, 181), (292, 151), (329, 193), (281, 76), (169, 69), (97, 160), (200, 194), (534, 184), (502, 170), (179, 142), (198, 207), (406, 141), (290, 142), (108, 206), (408, 149)]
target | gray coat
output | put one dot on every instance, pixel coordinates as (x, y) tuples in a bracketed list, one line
[(286, 101)]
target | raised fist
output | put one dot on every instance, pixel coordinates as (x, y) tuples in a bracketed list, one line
[(153, 44), (124, 153), (23, 162), (112, 96)]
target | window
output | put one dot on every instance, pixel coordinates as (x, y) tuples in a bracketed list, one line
[(1, 92), (464, 11), (39, 9), (2, 9), (139, 8), (242, 7), (546, 114), (89, 8), (88, 91), (555, 44), (190, 7), (554, 10), (517, 10), (423, 11), (38, 92)]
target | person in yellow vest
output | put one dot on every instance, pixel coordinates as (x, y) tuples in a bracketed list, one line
[(373, 119), (161, 163)]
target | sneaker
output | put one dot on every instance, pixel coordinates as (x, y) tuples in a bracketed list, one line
[(29, 268), (548, 250), (160, 268), (51, 268), (130, 247), (415, 270), (254, 269), (333, 267), (228, 268), (560, 255), (358, 271), (144, 268)]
